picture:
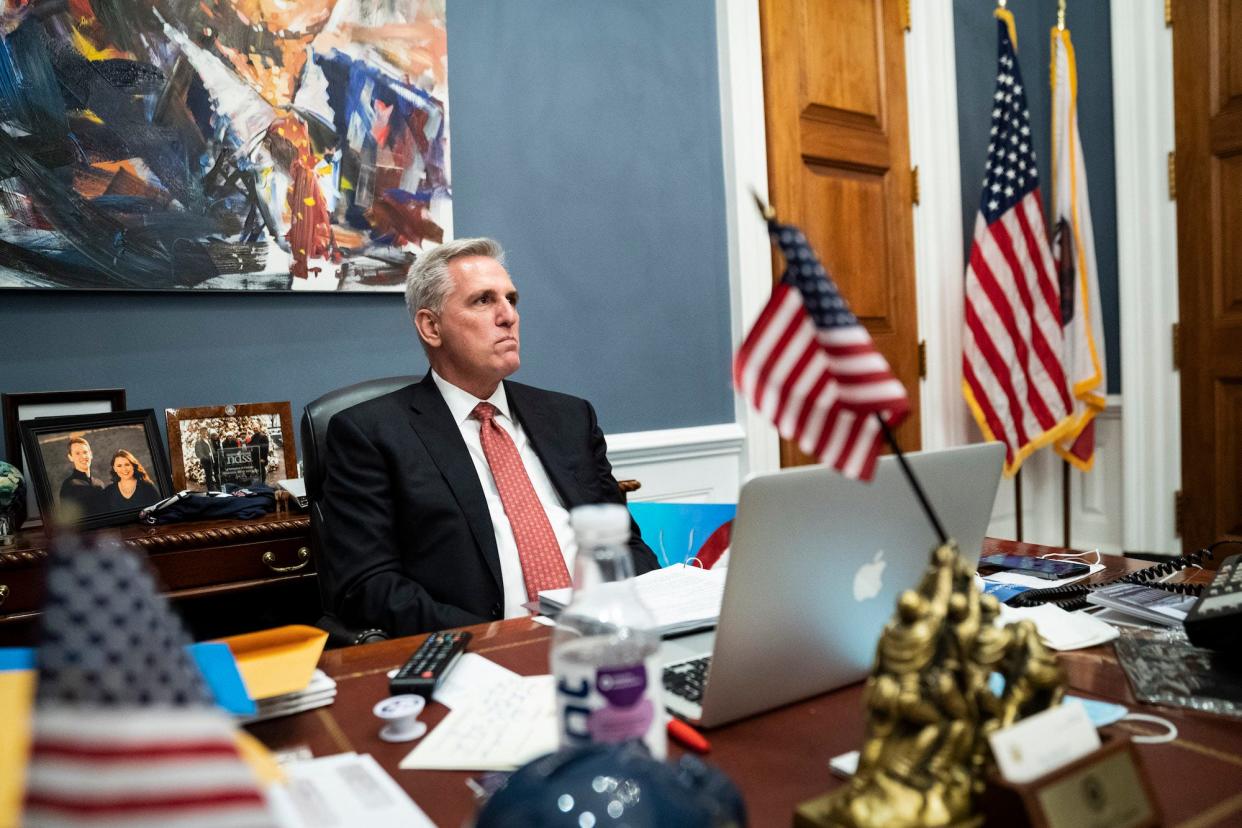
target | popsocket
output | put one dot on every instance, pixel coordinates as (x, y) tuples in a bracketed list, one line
[(401, 715)]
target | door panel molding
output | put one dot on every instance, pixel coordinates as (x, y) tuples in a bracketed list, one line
[(1147, 272)]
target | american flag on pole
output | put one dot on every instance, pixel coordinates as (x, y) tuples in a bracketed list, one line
[(124, 732), (1075, 247), (1011, 347), (810, 367)]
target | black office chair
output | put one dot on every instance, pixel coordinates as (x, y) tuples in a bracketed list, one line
[(314, 433)]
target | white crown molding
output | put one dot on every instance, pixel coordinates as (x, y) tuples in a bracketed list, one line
[(931, 90), (1142, 49), (676, 443), (744, 149)]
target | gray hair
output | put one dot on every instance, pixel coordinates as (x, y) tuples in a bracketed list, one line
[(429, 282)]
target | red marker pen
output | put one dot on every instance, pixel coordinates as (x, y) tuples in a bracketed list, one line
[(687, 736)]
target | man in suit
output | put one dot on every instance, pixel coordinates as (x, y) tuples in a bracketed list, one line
[(207, 459), (260, 449), (446, 502), (80, 491)]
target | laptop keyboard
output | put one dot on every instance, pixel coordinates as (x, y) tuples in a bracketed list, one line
[(686, 678)]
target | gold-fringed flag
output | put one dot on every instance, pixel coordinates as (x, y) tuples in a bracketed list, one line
[(1012, 376), (810, 366), (1074, 244)]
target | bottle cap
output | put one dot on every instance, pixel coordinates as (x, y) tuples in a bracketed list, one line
[(601, 523)]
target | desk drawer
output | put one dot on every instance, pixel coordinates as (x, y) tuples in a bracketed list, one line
[(221, 565), (21, 590)]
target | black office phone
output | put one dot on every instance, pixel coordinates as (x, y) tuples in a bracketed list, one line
[(1216, 618)]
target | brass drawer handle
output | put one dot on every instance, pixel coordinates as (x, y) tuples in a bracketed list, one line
[(4, 592), (269, 558)]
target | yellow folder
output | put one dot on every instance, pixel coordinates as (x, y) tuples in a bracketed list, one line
[(277, 661)]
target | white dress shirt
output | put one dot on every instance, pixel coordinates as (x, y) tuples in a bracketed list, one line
[(461, 404)]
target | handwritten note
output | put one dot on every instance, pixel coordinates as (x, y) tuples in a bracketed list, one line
[(500, 728)]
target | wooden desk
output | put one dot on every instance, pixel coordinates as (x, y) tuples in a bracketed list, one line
[(778, 759), (204, 560)]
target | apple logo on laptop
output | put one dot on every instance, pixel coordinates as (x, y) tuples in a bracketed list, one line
[(867, 578)]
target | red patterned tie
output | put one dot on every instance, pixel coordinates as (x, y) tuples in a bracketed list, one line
[(543, 566)]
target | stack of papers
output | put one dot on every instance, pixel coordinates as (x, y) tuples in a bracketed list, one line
[(319, 693), (345, 789), (680, 598)]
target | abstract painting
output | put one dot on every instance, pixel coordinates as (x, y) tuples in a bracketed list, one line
[(241, 145)]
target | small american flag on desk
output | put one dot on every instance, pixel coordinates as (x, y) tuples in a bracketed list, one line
[(124, 731), (811, 367)]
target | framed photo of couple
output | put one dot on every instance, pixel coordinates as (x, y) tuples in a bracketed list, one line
[(27, 405), (218, 446), (93, 470)]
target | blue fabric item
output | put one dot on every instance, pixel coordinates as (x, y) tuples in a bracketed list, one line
[(242, 504), (620, 784), (1101, 713), (676, 531)]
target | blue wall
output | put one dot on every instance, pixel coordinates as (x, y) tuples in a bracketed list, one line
[(974, 31), (586, 137)]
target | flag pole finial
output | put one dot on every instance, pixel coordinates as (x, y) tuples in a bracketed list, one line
[(765, 209), (1060, 15)]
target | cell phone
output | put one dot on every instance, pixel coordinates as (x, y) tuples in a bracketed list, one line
[(1046, 568)]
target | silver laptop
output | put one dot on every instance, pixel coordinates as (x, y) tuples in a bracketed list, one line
[(814, 571)]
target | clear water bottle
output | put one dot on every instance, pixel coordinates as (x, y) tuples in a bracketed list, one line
[(609, 684)]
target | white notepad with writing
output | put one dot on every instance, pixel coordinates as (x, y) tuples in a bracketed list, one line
[(501, 728)]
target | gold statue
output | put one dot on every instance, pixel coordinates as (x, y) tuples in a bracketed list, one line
[(930, 708)]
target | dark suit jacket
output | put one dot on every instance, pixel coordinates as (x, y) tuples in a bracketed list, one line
[(409, 545)]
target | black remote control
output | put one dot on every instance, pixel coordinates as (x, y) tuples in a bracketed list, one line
[(424, 670)]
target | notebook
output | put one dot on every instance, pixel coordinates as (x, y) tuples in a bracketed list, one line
[(681, 598), (815, 569)]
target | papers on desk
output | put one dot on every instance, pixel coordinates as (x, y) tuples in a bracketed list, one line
[(345, 789), (469, 675), (1059, 629), (498, 725), (680, 598)]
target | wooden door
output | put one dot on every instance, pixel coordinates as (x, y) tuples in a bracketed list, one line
[(1207, 84), (839, 163)]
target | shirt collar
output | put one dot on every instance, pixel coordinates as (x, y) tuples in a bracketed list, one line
[(461, 403)]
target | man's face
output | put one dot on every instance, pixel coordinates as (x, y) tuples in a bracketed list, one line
[(80, 457), (474, 341)]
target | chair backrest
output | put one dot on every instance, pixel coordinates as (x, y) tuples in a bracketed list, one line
[(315, 419), (320, 411)]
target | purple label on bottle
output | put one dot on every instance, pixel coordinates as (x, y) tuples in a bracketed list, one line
[(626, 713), (622, 686)]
